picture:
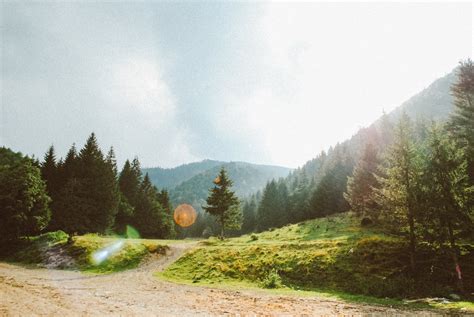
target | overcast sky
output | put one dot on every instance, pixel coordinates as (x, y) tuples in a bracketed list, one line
[(178, 82)]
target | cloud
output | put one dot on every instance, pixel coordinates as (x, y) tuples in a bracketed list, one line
[(70, 69), (176, 82), (324, 70)]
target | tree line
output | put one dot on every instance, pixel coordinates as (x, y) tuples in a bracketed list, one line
[(82, 193)]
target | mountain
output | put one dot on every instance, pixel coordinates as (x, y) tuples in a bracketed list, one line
[(171, 177), (248, 178), (433, 103), (316, 188)]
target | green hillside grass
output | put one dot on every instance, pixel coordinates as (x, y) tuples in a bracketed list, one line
[(54, 250), (332, 254)]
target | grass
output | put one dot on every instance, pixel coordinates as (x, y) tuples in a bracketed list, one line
[(455, 307), (89, 253), (334, 256)]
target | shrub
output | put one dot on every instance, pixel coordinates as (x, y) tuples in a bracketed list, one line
[(253, 237), (272, 280), (365, 222)]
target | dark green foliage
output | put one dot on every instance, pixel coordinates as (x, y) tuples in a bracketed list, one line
[(49, 171), (67, 194), (97, 189), (223, 204), (129, 185), (273, 208), (168, 229), (142, 205), (149, 213), (446, 208), (90, 196), (24, 201)]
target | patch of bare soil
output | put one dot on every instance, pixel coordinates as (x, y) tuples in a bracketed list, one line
[(25, 291)]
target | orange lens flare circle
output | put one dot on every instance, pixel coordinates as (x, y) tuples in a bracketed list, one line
[(184, 215)]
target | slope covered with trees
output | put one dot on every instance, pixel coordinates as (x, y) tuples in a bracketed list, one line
[(317, 188), (247, 178), (171, 177)]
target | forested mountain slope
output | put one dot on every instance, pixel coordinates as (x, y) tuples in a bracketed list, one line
[(316, 188), (248, 178), (172, 177)]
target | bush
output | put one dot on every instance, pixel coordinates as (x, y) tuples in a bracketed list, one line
[(253, 237), (365, 222), (272, 280)]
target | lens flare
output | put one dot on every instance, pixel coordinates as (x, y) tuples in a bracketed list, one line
[(103, 254), (185, 215)]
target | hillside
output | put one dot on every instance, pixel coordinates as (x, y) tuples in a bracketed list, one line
[(307, 184), (248, 178), (136, 267), (433, 103), (333, 254), (172, 177)]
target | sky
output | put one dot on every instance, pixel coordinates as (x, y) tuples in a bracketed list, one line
[(176, 82)]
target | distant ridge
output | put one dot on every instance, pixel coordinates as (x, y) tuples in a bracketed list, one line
[(196, 178), (171, 177)]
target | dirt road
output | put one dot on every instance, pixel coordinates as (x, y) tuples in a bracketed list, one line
[(29, 292)]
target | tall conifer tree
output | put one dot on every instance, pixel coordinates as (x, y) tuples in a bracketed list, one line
[(361, 184), (223, 204), (462, 119), (399, 184)]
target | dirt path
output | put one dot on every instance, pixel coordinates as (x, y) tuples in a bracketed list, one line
[(136, 292)]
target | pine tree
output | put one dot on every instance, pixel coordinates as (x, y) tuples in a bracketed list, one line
[(90, 198), (399, 186), (49, 171), (249, 212), (445, 180), (328, 197), (99, 185), (281, 213), (129, 187), (149, 214), (222, 202), (299, 199), (65, 208), (111, 188), (267, 209), (129, 181), (361, 184), (112, 161), (386, 131), (69, 169), (462, 120), (168, 230)]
